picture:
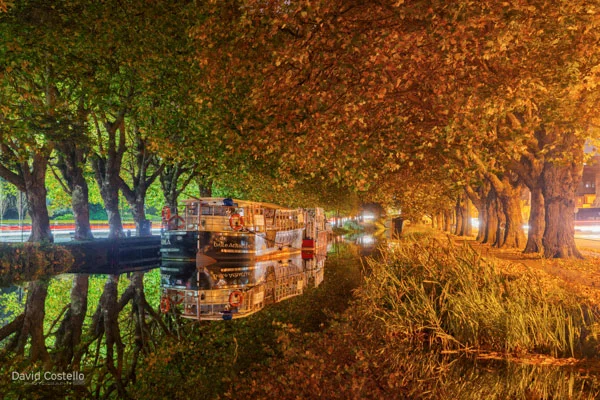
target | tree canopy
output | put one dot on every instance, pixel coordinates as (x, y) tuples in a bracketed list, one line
[(405, 103)]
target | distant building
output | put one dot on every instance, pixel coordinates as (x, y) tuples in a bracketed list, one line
[(586, 195)]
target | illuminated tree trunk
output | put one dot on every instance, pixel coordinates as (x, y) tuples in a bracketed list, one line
[(468, 229), (439, 221), (501, 225), (482, 223), (35, 189), (491, 210), (31, 179), (110, 196), (513, 226), (537, 222), (477, 197), (460, 216), (142, 176), (447, 220), (559, 185), (72, 159), (107, 166)]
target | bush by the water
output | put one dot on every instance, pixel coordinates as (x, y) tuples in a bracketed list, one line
[(30, 261)]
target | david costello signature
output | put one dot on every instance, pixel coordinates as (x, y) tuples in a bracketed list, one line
[(49, 378)]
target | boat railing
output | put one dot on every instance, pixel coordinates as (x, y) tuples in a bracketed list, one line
[(196, 216), (216, 304)]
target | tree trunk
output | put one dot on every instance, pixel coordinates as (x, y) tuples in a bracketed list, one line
[(513, 226), (38, 210), (71, 162), (81, 211), (501, 226), (136, 198), (491, 210), (33, 179), (482, 223), (168, 181), (467, 217), (447, 220), (559, 184), (110, 195), (142, 225), (145, 168), (477, 197), (536, 221), (459, 212), (107, 166), (72, 158), (439, 220)]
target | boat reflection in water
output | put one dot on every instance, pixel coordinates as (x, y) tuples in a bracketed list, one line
[(234, 289)]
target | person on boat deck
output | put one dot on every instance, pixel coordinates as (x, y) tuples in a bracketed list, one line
[(221, 281)]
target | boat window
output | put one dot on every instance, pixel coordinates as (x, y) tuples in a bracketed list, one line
[(218, 211), (192, 208), (207, 210)]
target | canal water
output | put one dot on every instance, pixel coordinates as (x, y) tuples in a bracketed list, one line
[(120, 324)]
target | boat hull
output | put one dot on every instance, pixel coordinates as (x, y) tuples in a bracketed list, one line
[(183, 246)]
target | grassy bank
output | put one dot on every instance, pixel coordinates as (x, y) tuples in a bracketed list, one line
[(431, 291)]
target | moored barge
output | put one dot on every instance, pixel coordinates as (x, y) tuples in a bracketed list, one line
[(225, 229)]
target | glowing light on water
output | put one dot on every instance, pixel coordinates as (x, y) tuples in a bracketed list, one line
[(366, 240)]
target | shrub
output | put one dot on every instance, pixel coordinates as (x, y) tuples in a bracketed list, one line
[(31, 261)]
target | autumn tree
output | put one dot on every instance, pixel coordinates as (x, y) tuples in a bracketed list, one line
[(387, 80)]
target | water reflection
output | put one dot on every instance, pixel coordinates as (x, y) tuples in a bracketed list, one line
[(103, 325), (234, 289), (367, 243)]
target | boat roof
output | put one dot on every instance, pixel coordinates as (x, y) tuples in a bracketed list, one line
[(218, 201)]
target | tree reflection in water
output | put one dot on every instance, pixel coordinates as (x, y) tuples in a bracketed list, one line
[(104, 339), (105, 347)]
